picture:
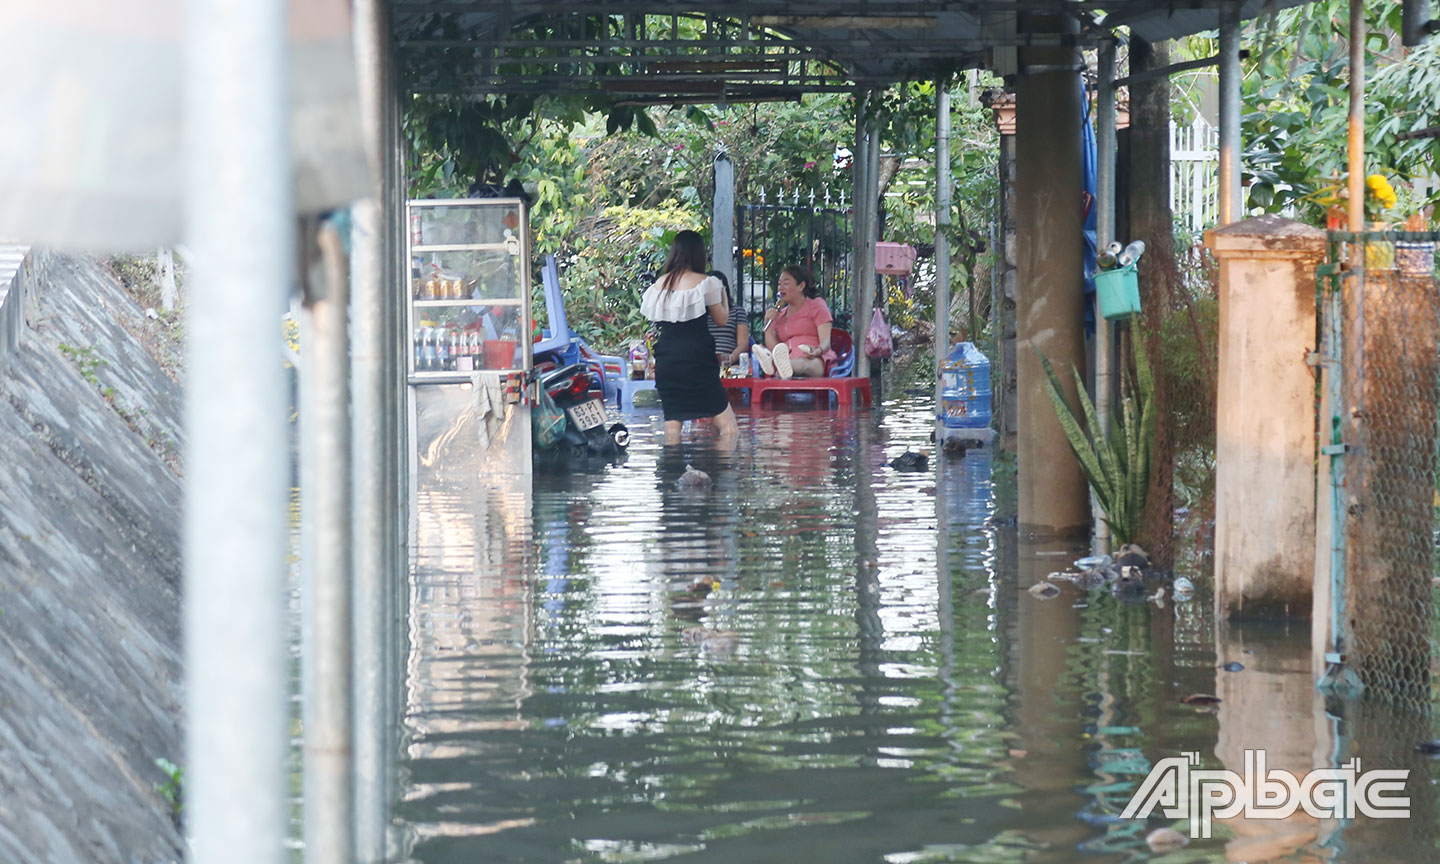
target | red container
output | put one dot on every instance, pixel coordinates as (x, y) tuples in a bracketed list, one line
[(499, 353)]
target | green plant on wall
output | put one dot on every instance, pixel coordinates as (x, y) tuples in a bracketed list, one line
[(1117, 465), (172, 789)]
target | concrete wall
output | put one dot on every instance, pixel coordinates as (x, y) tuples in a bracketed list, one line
[(90, 672), (12, 297)]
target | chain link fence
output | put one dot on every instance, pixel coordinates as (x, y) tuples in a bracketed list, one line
[(1379, 316)]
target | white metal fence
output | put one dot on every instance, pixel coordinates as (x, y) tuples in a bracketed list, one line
[(1194, 167)]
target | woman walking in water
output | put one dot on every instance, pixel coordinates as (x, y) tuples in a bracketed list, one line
[(687, 374)]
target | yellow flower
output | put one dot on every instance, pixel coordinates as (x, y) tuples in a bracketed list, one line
[(1381, 189)]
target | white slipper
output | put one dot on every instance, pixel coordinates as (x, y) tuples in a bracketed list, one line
[(782, 361), (762, 354)]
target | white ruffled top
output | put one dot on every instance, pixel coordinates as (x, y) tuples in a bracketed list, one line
[(681, 304)]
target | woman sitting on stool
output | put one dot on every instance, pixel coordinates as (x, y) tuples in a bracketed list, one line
[(797, 330)]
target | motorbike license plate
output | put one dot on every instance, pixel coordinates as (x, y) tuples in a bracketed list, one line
[(588, 415)]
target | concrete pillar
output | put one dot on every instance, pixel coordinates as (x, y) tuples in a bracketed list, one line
[(374, 276), (1002, 279), (239, 228), (325, 549), (722, 221), (1054, 498), (1265, 417)]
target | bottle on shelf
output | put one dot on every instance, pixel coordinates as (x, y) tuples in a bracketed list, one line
[(442, 351), (454, 351)]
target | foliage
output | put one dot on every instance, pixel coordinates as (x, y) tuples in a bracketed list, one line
[(620, 253), (1296, 92), (85, 360), (1117, 465), (172, 790)]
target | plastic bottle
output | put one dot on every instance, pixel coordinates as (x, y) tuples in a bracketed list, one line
[(965, 388), (1131, 253)]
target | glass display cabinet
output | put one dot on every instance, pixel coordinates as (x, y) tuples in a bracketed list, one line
[(469, 288)]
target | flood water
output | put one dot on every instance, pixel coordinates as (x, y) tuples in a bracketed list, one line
[(815, 659)]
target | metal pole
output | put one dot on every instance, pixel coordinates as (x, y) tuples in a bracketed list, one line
[(1356, 165), (859, 265), (325, 561), (1230, 208), (373, 563), (238, 226), (942, 258), (1104, 236)]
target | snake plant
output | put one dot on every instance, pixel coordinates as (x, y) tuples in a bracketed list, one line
[(1117, 465)]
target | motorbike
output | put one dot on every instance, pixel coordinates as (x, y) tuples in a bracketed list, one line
[(577, 391)]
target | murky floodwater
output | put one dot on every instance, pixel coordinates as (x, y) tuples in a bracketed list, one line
[(803, 663)]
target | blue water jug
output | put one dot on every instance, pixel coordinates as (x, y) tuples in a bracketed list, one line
[(965, 388)]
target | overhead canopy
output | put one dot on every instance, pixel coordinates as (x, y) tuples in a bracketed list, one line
[(679, 51)]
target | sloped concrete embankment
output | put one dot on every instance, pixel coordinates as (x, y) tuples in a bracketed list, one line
[(90, 670)]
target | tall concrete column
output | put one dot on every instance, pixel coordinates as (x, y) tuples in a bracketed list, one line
[(1265, 417), (374, 277), (1054, 498), (722, 221)]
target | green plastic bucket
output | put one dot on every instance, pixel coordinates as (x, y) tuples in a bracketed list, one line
[(1118, 292)]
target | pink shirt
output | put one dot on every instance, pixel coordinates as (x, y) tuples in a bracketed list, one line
[(796, 327)]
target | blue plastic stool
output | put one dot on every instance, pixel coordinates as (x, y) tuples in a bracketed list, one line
[(626, 389)]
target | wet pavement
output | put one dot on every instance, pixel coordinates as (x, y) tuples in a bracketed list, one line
[(815, 659)]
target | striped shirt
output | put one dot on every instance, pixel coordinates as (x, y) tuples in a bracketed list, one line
[(725, 336)]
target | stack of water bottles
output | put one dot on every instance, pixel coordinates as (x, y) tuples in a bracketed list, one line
[(965, 394)]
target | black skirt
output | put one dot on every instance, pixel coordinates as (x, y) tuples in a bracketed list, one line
[(687, 375)]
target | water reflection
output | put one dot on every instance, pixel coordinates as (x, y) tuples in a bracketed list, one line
[(813, 658)]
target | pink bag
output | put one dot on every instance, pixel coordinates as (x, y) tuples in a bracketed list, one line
[(878, 345)]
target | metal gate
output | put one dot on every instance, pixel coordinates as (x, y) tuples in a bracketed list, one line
[(812, 232), (1380, 327)]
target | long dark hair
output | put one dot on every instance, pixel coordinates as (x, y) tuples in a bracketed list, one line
[(687, 254), (803, 275), (725, 283)]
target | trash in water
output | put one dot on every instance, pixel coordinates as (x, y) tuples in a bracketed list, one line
[(1092, 562), (1201, 699), (1165, 840), (910, 461), (1044, 590), (693, 478), (1183, 588)]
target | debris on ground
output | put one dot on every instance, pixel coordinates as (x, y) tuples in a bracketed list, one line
[(1233, 666), (1200, 699)]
